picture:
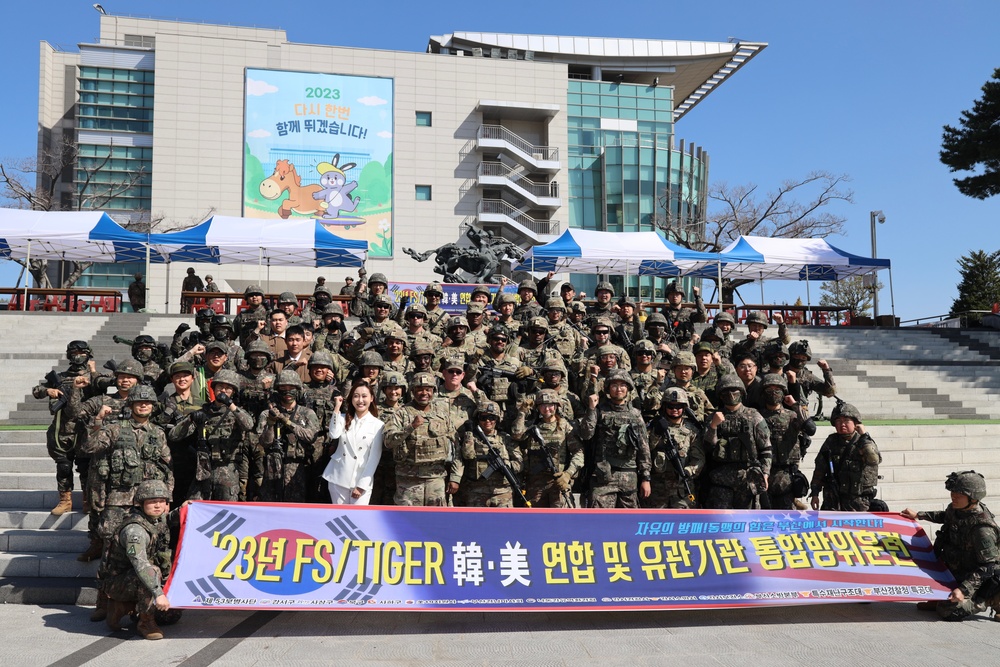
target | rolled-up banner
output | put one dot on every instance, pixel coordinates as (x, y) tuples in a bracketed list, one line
[(266, 556)]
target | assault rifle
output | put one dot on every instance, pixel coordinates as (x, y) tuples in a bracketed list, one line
[(669, 448), (377, 340), (496, 463), (161, 356), (55, 382), (488, 374), (550, 463)]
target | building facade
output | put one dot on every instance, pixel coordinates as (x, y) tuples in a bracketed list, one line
[(523, 135)]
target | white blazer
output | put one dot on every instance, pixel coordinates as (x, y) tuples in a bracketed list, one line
[(357, 456)]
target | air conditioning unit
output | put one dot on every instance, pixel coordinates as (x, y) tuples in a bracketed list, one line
[(477, 52)]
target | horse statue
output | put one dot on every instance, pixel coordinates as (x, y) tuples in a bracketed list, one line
[(480, 261), (286, 179)]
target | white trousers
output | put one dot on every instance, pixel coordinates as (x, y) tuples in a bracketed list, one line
[(341, 495)]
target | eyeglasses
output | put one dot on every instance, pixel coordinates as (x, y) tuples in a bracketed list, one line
[(643, 353), (499, 339), (381, 305), (746, 367), (487, 418), (602, 332), (454, 371), (674, 406)]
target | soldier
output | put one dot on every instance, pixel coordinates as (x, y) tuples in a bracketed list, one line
[(363, 304), (786, 420), (553, 453), (619, 446), (191, 283), (320, 395), (968, 545), (416, 320), (656, 332), (497, 369), (289, 304), (567, 340), (800, 354), (505, 303), (680, 320), (139, 561), (462, 401), (554, 379), (646, 378), (422, 439), (218, 429), (384, 481), (459, 343), (675, 444), (474, 317), (466, 480), (421, 360), (529, 308), (137, 294), (709, 369), (437, 317), (251, 321), (847, 466), (395, 350), (603, 308), (210, 284), (534, 350), (321, 298), (600, 336), (333, 328), (683, 371), (755, 342), (258, 378), (723, 324), (607, 362), (175, 407), (222, 331), (61, 435), (144, 351), (286, 445), (481, 294), (738, 448)]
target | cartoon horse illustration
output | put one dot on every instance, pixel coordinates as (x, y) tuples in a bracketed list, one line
[(335, 193), (300, 200)]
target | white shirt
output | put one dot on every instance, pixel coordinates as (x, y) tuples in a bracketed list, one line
[(357, 456)]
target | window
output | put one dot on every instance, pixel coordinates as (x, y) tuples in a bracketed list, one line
[(423, 193), (423, 119), (142, 41)]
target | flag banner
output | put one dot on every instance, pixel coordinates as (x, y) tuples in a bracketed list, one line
[(457, 296), (266, 556)]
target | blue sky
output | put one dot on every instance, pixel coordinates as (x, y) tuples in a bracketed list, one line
[(861, 88)]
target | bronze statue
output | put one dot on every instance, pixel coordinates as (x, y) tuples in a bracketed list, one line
[(482, 260)]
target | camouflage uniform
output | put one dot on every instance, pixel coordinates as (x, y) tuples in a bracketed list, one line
[(221, 447), (467, 468), (667, 490), (384, 479), (422, 454), (855, 464), (138, 562), (739, 454), (563, 445), (284, 454), (785, 426)]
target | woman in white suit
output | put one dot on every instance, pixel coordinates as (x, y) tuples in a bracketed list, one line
[(352, 466)]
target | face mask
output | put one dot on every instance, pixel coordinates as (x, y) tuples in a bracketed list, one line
[(205, 327), (143, 355), (287, 394), (773, 396), (333, 325), (322, 302), (731, 397), (78, 359), (257, 362), (798, 363)]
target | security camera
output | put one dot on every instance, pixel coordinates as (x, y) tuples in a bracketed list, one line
[(881, 218)]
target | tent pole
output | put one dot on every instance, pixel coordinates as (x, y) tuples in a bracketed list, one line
[(166, 291), (762, 288), (809, 304), (720, 286), (269, 274), (27, 280), (892, 299), (147, 270), (260, 265)]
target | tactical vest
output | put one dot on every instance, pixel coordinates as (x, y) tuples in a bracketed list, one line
[(157, 551), (658, 444), (784, 439), (854, 476), (955, 541), (554, 435), (431, 442), (474, 454), (122, 464), (612, 430), (733, 436), (223, 448)]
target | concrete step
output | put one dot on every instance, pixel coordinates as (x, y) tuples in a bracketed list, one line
[(46, 564), (19, 449), (45, 481), (24, 435), (42, 520), (49, 591), (26, 540), (26, 464), (35, 499)]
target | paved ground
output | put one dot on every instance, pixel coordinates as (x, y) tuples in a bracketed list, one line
[(885, 634)]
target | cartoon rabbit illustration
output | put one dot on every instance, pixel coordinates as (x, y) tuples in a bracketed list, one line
[(335, 195)]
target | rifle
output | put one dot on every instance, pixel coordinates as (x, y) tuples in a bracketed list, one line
[(161, 356), (488, 374), (377, 340), (550, 463), (674, 456), (746, 439), (495, 462), (55, 382), (679, 331), (276, 450), (625, 338)]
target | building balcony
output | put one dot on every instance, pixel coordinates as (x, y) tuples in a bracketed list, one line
[(540, 194), (498, 138)]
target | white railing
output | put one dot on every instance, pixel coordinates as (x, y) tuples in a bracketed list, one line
[(514, 176), (500, 207), (500, 133)]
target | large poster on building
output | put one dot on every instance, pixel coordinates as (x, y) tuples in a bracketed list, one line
[(320, 146)]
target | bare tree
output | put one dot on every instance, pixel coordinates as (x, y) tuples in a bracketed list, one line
[(852, 293), (34, 184), (795, 209)]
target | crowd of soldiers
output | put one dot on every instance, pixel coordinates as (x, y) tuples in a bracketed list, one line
[(518, 402)]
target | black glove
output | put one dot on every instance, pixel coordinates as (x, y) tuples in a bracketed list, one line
[(223, 399), (199, 417), (181, 328)]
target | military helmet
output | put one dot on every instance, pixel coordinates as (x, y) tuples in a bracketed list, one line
[(655, 319), (800, 347), (506, 297), (137, 276), (204, 315), (334, 309), (607, 349), (703, 347), (497, 331), (323, 289), (711, 333), (684, 358), (78, 347), (422, 347), (222, 321), (142, 392), (252, 290), (259, 346), (626, 301), (378, 278), (321, 358), (434, 288), (226, 376), (423, 380), (674, 395), (968, 482), (143, 341), (481, 289), (457, 321), (553, 364), (527, 283), (416, 309), (393, 379), (578, 307), (555, 303), (777, 348), (488, 408), (382, 300), (602, 322), (130, 367), (475, 308), (181, 367), (729, 382), (619, 375), (775, 380), (287, 378), (538, 323), (395, 331), (372, 358), (845, 410), (644, 345), (217, 345), (453, 361), (150, 490), (724, 316), (675, 287), (605, 285), (547, 396), (757, 317)]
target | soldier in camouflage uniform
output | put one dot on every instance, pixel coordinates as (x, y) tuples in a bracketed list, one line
[(421, 360), (368, 292), (969, 545), (853, 457), (466, 482), (459, 343), (799, 355), (619, 447), (328, 338), (461, 399), (755, 343), (286, 444), (416, 328), (219, 430), (144, 351), (389, 404), (738, 449), (646, 378), (139, 561), (553, 453), (724, 323), (683, 369), (554, 379), (786, 483), (497, 370), (61, 436), (475, 315), (529, 308), (600, 335), (222, 331), (567, 340), (505, 303), (672, 431), (655, 328), (321, 298), (606, 357), (680, 320), (174, 408), (534, 347), (395, 350), (602, 308), (437, 317), (320, 396), (422, 439), (709, 369)]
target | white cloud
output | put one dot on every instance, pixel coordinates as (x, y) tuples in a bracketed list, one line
[(257, 88), (259, 134), (385, 134), (372, 101)]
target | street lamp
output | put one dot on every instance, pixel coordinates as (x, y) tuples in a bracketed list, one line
[(880, 217)]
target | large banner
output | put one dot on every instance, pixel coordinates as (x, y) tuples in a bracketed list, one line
[(457, 296), (263, 556), (320, 146)]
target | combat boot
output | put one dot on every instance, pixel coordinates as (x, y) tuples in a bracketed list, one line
[(100, 612), (93, 552), (65, 503), (928, 605), (115, 610), (147, 627)]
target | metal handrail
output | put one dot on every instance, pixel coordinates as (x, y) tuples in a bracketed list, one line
[(501, 133), (502, 170), (500, 207), (962, 317)]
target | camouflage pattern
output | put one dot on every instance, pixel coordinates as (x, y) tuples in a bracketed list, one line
[(785, 426), (619, 462), (701, 406), (220, 444), (470, 464), (666, 487), (855, 462), (284, 454), (562, 442), (138, 562), (735, 475), (384, 479), (422, 454), (61, 436), (182, 459)]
